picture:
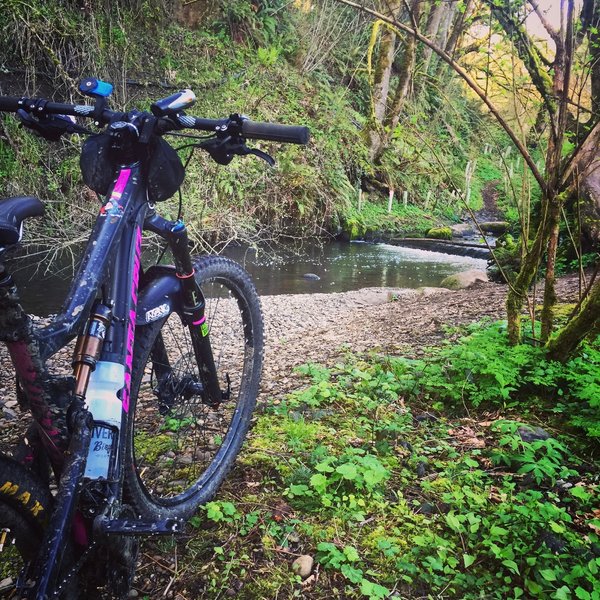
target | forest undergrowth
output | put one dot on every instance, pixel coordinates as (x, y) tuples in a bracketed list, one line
[(260, 65), (470, 473)]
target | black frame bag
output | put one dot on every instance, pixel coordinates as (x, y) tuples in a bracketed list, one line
[(97, 169)]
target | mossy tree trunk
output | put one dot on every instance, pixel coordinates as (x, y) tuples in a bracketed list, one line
[(553, 87), (551, 78), (387, 103), (585, 323), (436, 15), (380, 90)]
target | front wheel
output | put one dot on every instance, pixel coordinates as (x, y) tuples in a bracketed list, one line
[(180, 448)]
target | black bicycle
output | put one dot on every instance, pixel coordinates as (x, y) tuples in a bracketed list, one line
[(166, 365)]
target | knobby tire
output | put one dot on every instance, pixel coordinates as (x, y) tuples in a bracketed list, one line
[(180, 449)]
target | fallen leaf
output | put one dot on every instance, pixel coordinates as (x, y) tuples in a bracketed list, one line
[(467, 437)]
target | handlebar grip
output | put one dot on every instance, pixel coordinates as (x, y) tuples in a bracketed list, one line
[(33, 105), (291, 134), (9, 103)]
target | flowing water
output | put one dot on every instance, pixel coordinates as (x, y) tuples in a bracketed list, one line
[(339, 266)]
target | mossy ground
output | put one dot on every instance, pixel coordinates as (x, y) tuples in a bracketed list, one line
[(407, 478)]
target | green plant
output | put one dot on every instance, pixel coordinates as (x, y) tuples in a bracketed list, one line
[(221, 511), (544, 459), (342, 483), (344, 560)]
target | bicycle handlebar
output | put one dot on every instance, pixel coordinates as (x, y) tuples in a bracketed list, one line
[(38, 105), (291, 134)]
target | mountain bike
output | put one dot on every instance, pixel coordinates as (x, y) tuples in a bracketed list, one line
[(165, 368)]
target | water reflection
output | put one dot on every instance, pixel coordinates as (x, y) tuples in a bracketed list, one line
[(340, 267), (343, 267)]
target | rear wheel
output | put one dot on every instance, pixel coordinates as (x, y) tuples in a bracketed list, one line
[(24, 508), (179, 447)]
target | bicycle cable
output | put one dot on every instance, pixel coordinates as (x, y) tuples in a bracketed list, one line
[(180, 208)]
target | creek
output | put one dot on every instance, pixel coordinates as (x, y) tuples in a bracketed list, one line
[(340, 267)]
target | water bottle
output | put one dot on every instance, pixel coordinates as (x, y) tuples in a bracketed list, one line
[(102, 401)]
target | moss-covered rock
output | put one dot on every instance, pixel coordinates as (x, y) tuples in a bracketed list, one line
[(495, 227), (461, 281), (440, 233)]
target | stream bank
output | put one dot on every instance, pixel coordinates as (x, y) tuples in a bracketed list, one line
[(302, 328)]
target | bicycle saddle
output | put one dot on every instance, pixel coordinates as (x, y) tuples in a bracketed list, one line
[(13, 211)]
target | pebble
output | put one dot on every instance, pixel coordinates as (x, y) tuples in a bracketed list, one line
[(202, 456), (303, 565), (9, 414)]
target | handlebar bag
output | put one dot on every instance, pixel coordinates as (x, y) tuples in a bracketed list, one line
[(163, 166), (165, 170), (96, 167)]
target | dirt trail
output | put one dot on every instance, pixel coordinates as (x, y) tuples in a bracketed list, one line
[(319, 327)]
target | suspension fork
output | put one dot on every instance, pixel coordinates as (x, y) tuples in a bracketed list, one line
[(193, 305)]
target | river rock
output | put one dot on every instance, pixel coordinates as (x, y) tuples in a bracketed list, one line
[(9, 414), (440, 233), (311, 276), (303, 565), (461, 230), (494, 227), (428, 291), (533, 434), (464, 280)]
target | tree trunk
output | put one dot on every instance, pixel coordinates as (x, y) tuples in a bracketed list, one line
[(517, 293), (560, 86), (547, 316), (404, 79), (380, 87), (578, 328), (433, 26), (383, 73), (441, 37), (407, 64), (590, 24)]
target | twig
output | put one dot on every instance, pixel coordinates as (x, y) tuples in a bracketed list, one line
[(159, 563), (284, 551)]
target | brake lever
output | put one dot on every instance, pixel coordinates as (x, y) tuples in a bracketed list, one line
[(52, 127), (222, 150), (266, 157)]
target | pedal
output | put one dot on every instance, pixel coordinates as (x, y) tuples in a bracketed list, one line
[(106, 526)]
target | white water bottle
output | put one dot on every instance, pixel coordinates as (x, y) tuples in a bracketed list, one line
[(102, 401)]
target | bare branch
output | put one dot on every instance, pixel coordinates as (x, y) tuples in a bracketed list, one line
[(529, 53), (552, 31)]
